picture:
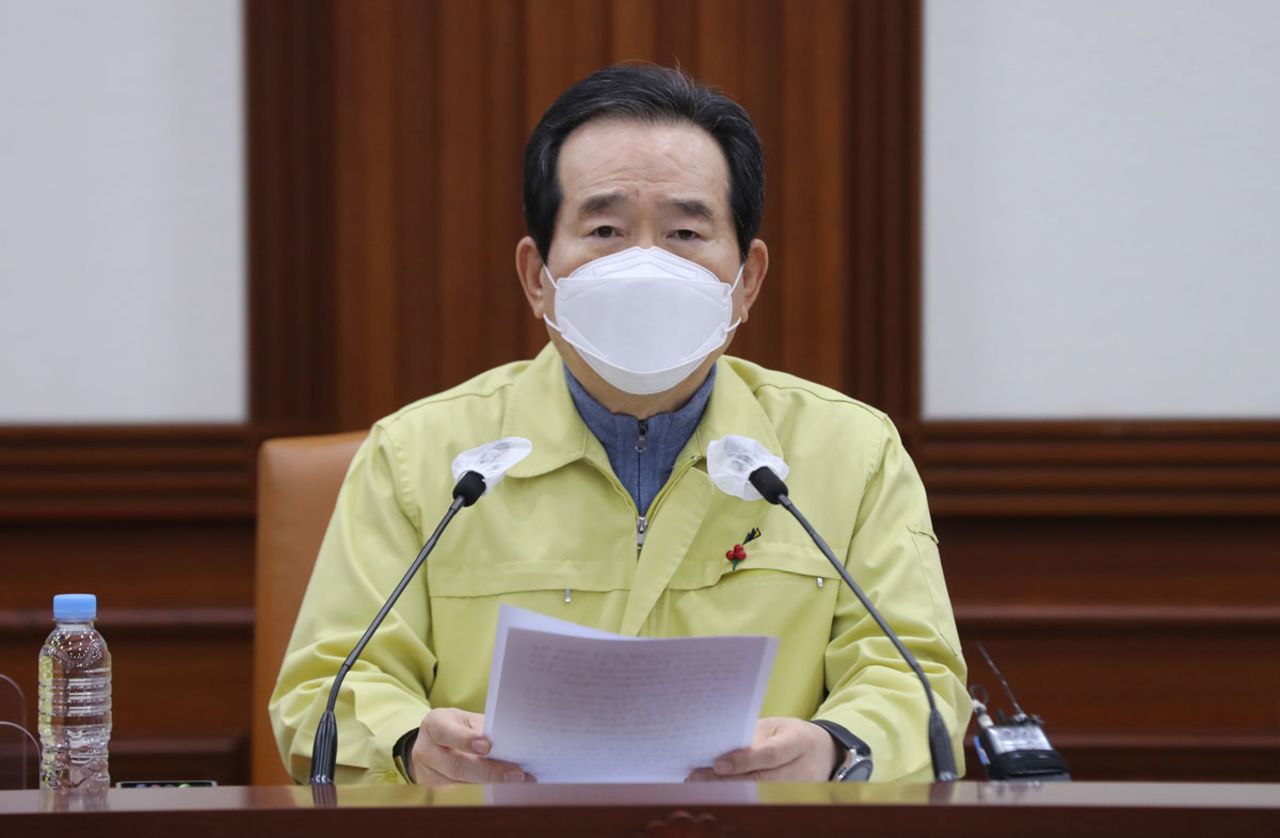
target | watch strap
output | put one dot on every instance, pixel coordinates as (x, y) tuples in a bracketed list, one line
[(854, 761)]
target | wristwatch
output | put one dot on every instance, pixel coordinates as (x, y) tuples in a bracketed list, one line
[(402, 754), (853, 762)]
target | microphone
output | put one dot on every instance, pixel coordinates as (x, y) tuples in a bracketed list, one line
[(742, 467), (476, 471)]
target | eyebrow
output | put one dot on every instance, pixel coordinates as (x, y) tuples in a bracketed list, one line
[(693, 207), (601, 202), (605, 201)]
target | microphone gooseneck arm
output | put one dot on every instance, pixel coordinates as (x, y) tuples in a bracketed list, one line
[(324, 749), (773, 490)]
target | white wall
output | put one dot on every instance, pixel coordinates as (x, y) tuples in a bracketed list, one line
[(1102, 208), (122, 243)]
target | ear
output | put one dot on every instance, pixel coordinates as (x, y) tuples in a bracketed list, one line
[(753, 271), (529, 269)]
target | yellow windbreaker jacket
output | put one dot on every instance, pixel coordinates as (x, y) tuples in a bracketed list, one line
[(561, 536)]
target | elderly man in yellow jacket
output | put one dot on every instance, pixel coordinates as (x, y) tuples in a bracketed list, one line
[(643, 195)]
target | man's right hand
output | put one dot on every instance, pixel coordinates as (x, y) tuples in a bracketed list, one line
[(451, 748)]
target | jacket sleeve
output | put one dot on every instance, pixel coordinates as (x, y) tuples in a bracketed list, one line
[(370, 543), (871, 691)]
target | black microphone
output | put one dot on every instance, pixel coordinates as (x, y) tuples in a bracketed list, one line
[(772, 489), (494, 459)]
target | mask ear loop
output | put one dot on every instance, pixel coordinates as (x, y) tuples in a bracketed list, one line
[(556, 287), (737, 280)]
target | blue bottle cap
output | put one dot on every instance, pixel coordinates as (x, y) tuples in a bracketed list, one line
[(75, 607)]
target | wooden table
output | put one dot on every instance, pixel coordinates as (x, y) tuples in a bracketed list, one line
[(796, 810)]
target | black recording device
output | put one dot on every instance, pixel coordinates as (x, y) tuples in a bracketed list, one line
[(166, 784), (1013, 748)]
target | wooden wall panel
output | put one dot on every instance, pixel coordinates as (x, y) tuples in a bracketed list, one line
[(365, 229), (293, 339), (60, 474), (429, 104), (813, 274), (1117, 564), (479, 312), (1202, 468), (169, 566)]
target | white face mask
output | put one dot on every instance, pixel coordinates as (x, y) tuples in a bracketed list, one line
[(643, 318)]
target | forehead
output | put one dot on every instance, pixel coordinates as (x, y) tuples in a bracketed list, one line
[(644, 160)]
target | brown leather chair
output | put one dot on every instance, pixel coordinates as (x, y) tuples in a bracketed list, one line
[(298, 481)]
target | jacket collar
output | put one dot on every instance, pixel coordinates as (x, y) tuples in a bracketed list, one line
[(733, 409), (541, 410)]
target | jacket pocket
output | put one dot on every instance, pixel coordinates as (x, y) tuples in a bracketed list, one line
[(465, 602), (485, 579), (762, 560)]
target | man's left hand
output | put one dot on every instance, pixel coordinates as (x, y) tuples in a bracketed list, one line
[(784, 749)]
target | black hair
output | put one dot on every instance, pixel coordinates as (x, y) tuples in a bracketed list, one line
[(648, 94)]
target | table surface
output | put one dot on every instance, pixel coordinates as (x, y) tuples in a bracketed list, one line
[(1057, 795), (712, 809)]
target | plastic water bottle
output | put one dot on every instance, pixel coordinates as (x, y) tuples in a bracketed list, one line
[(75, 698)]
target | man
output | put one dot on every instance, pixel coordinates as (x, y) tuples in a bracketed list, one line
[(643, 194)]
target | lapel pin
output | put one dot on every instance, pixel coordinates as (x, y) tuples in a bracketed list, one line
[(738, 554)]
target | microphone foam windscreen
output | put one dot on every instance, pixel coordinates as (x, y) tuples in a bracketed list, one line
[(492, 460), (732, 459)]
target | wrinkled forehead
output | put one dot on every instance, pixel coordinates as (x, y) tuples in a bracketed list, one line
[(620, 160)]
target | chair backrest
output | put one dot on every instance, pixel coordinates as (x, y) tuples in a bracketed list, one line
[(298, 482)]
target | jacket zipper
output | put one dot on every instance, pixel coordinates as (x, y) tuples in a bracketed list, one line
[(642, 443), (642, 521)]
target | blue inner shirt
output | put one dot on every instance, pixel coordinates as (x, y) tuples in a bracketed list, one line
[(641, 451)]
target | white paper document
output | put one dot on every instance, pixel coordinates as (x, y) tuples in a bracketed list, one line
[(571, 704)]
